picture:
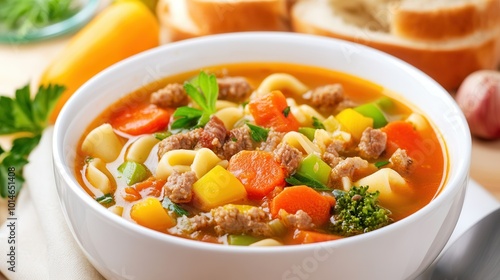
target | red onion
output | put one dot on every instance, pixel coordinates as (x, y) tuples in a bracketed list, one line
[(479, 99)]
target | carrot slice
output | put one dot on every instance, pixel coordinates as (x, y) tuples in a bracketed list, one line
[(131, 194), (257, 171), (301, 197), (147, 118), (271, 110), (306, 236), (401, 134), (152, 185)]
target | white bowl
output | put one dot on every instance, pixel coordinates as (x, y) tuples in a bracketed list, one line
[(120, 249)]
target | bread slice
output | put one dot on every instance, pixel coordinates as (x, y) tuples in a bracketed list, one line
[(176, 22), (184, 19), (221, 16), (443, 19), (447, 61)]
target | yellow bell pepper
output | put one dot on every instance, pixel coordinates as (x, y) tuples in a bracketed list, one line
[(120, 30), (216, 188), (151, 214), (353, 122)]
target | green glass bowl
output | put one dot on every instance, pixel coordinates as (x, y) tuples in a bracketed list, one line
[(85, 11)]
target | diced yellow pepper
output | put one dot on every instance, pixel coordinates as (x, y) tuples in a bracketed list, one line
[(151, 214), (217, 187), (353, 122)]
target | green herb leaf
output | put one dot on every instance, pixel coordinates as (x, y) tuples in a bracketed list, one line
[(171, 206), (24, 16), (317, 123), (203, 90), (186, 117), (258, 134), (105, 199), (379, 164), (162, 135), (297, 179), (286, 111), (22, 114)]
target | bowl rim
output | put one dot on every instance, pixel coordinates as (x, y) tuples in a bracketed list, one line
[(66, 112)]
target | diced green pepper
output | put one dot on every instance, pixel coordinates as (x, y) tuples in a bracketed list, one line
[(313, 167), (384, 103), (133, 172), (371, 110), (308, 132), (241, 239)]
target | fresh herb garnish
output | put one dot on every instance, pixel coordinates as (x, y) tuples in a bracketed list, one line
[(317, 123), (105, 199), (379, 164), (286, 111), (203, 90), (171, 206), (162, 135), (297, 179), (23, 16), (22, 114), (258, 134)]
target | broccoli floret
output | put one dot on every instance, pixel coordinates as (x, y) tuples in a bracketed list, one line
[(358, 211)]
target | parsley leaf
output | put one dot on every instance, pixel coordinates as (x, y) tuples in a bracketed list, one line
[(286, 111), (317, 123), (26, 115), (380, 164), (171, 206), (258, 134), (106, 199), (27, 15), (297, 179), (21, 114), (203, 90)]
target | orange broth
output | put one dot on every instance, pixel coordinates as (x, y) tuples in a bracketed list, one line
[(425, 182)]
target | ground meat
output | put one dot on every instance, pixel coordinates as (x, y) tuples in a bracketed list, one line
[(179, 186), (213, 135), (289, 157), (372, 143), (230, 220), (344, 104), (238, 140), (300, 219), (331, 155), (186, 140), (347, 167), (173, 95), (401, 162), (273, 139), (327, 97), (234, 89), (195, 223)]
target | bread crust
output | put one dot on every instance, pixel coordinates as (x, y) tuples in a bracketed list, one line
[(444, 22), (170, 31), (215, 16), (448, 66)]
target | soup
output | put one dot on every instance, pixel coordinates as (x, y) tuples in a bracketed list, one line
[(262, 154)]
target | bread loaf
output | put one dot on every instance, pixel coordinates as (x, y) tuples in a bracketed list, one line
[(445, 52), (192, 18), (443, 19)]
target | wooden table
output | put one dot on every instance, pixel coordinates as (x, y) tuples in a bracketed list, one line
[(21, 64)]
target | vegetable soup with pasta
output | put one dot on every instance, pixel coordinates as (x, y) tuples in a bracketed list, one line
[(262, 154)]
